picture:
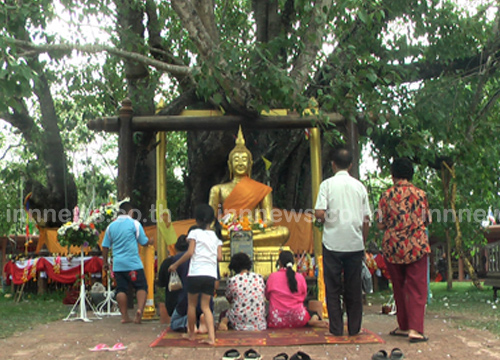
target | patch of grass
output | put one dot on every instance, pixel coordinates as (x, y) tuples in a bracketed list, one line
[(30, 311), (464, 305)]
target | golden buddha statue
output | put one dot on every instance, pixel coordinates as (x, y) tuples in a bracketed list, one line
[(244, 197)]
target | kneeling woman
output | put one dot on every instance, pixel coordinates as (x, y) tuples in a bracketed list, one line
[(286, 291), (245, 293)]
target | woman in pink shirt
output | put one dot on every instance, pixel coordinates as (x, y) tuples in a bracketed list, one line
[(286, 291)]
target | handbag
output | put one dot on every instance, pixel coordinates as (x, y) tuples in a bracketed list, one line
[(175, 282), (366, 279)]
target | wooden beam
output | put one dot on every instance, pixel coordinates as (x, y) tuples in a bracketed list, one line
[(221, 122)]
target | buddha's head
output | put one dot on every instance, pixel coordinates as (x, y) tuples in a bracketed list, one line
[(240, 159)]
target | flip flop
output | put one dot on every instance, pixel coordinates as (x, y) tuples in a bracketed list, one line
[(251, 354), (396, 332), (118, 347), (415, 340), (231, 354), (380, 355), (396, 354), (281, 356), (300, 356), (100, 347)]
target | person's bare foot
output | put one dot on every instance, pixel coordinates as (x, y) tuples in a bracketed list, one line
[(318, 323), (207, 341), (222, 327), (126, 320), (202, 329), (138, 317), (189, 337), (223, 324), (330, 334)]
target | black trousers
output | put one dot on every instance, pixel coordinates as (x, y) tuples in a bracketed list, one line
[(346, 266)]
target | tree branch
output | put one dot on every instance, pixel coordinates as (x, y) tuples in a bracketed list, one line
[(158, 50), (190, 18), (8, 149), (307, 56), (205, 9), (96, 48)]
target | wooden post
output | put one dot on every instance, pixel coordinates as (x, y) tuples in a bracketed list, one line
[(41, 284), (125, 150)]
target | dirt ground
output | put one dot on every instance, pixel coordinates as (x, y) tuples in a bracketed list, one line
[(71, 340)]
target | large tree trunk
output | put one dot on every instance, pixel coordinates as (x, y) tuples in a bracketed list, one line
[(458, 239), (141, 89)]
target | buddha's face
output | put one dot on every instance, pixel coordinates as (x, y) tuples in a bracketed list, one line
[(240, 163)]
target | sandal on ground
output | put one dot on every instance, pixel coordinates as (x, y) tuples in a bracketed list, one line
[(380, 355), (118, 347), (398, 332), (251, 354), (419, 339), (231, 354), (100, 347), (396, 354), (281, 356), (300, 356)]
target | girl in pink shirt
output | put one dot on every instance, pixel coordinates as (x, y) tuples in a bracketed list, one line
[(286, 291)]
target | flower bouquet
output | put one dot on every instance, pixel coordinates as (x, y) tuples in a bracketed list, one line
[(232, 223), (78, 233), (105, 214)]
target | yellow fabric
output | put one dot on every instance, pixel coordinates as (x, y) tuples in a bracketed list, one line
[(48, 236), (246, 195), (267, 163), (169, 238), (165, 232), (321, 285), (182, 226), (300, 226)]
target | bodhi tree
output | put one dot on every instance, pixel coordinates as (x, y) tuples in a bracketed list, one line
[(382, 65)]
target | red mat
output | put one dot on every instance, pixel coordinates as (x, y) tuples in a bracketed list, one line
[(272, 337)]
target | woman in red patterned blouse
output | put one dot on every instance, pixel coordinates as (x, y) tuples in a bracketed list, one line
[(404, 216)]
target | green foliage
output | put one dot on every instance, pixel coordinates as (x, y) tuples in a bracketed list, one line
[(31, 311), (372, 60), (176, 165), (463, 306)]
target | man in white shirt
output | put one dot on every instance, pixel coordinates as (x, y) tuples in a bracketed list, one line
[(342, 207)]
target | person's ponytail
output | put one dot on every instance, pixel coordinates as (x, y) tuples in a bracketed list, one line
[(286, 260)]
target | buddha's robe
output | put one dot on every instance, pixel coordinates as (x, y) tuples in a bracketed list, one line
[(246, 195)]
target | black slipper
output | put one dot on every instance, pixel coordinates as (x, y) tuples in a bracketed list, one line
[(232, 354), (300, 356), (281, 356), (380, 355), (396, 354), (397, 332), (251, 354), (414, 340)]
